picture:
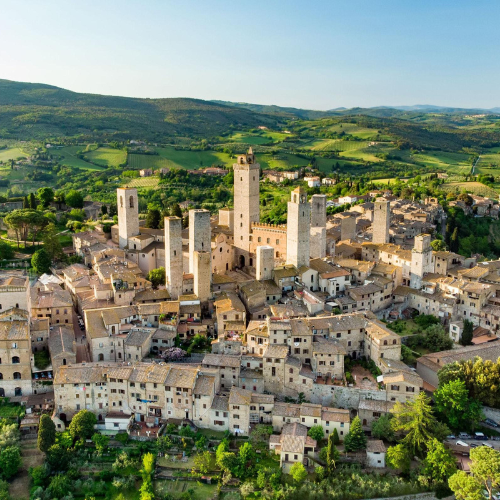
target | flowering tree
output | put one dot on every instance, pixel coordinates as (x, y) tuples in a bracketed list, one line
[(173, 354)]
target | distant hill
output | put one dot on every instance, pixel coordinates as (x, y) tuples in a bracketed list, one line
[(38, 111)]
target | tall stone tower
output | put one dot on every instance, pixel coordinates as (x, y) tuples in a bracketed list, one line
[(173, 256), (200, 234), (202, 272), (265, 262), (347, 227), (298, 229), (246, 204), (381, 221), (421, 260), (318, 226), (128, 214), (318, 210)]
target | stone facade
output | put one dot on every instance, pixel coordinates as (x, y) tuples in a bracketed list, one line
[(173, 256), (381, 221), (298, 229), (128, 214), (200, 235), (265, 262)]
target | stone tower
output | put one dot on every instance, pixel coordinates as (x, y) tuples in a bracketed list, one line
[(347, 227), (265, 262), (202, 272), (173, 256), (381, 221), (421, 260), (298, 229), (128, 214), (246, 204), (318, 210), (318, 226), (200, 234)]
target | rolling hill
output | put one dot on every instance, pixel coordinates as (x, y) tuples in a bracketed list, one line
[(38, 111)]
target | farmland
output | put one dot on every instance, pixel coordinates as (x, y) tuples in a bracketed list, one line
[(67, 156), (107, 157), (143, 182), (11, 154), (472, 187)]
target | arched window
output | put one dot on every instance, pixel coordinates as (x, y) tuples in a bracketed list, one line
[(131, 202), (15, 360), (17, 376), (64, 361), (100, 357), (385, 342)]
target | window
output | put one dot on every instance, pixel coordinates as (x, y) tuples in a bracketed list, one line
[(15, 360)]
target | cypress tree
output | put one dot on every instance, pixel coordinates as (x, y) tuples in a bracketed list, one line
[(46, 433), (355, 439), (466, 338)]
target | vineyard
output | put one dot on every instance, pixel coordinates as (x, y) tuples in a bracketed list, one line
[(143, 182), (472, 187)]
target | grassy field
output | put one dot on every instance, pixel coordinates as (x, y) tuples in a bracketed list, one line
[(337, 145), (138, 162), (489, 163), (193, 159), (11, 154), (472, 187), (107, 157), (176, 488), (68, 158), (264, 137), (457, 163)]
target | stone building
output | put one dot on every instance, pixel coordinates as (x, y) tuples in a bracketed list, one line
[(246, 204), (14, 288), (128, 215), (173, 256), (200, 235), (298, 229), (381, 221)]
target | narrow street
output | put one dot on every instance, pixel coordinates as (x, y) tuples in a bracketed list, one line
[(81, 345)]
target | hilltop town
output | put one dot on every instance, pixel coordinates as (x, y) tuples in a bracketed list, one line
[(250, 326)]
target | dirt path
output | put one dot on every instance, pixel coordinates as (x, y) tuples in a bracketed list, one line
[(19, 488)]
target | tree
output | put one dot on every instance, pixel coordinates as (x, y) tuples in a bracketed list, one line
[(355, 439), (454, 240), (246, 489), (46, 433), (436, 339), (382, 428), (9, 434), (453, 403), (332, 455), (485, 474), (417, 421), (260, 434), (438, 245), (82, 425), (316, 432), (101, 442), (24, 222), (163, 443), (203, 462), (466, 338), (320, 472), (59, 485), (58, 457), (246, 461), (74, 199), (439, 464), (46, 196), (153, 218), (157, 277), (41, 261), (466, 198), (6, 251), (336, 439), (465, 487), (10, 461), (298, 472), (176, 211), (398, 457), (148, 466), (51, 243)]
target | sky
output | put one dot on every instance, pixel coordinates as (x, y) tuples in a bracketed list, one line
[(314, 54)]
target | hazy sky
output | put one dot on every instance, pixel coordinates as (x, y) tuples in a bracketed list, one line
[(315, 54)]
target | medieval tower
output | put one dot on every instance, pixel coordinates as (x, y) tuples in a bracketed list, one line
[(421, 260), (318, 226), (202, 274), (265, 262), (173, 256), (200, 234), (128, 214), (298, 229), (246, 204), (381, 221)]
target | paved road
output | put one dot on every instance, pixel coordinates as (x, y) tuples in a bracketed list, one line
[(81, 345), (474, 166), (493, 444)]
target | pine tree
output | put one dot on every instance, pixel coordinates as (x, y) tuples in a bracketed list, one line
[(355, 439)]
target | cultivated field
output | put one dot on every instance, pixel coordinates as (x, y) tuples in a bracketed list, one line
[(139, 162), (107, 157), (472, 187), (489, 163), (193, 159), (69, 158), (143, 182), (11, 154)]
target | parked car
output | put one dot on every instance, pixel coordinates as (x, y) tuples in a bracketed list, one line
[(496, 438), (480, 436), (464, 435), (451, 436), (488, 445), (461, 443), (474, 445), (491, 422)]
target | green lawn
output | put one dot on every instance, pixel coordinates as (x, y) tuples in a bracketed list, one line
[(107, 157), (176, 488), (11, 154), (68, 158)]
